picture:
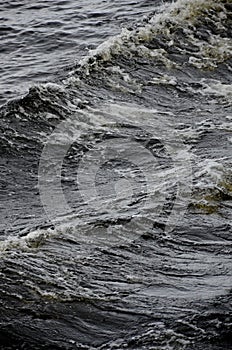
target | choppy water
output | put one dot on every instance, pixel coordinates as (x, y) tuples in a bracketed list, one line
[(116, 178), (41, 39)]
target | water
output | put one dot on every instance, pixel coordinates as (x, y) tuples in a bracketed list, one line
[(116, 177), (41, 39)]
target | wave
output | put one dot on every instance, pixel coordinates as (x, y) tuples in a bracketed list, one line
[(202, 26), (116, 192)]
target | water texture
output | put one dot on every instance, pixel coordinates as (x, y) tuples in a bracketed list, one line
[(116, 183)]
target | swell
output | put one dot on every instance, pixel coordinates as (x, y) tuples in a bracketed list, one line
[(199, 23), (165, 291), (178, 60), (180, 41)]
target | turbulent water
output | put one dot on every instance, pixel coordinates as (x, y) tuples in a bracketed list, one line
[(41, 39), (116, 181)]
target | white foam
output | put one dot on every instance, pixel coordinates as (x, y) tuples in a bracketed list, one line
[(180, 13), (32, 240), (164, 80), (212, 169), (218, 89)]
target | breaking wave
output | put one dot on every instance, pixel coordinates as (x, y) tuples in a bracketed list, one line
[(124, 242)]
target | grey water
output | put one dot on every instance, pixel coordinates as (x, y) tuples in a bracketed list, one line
[(116, 182), (41, 39)]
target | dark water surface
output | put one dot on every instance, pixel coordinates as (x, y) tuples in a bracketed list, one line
[(116, 182), (41, 39)]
